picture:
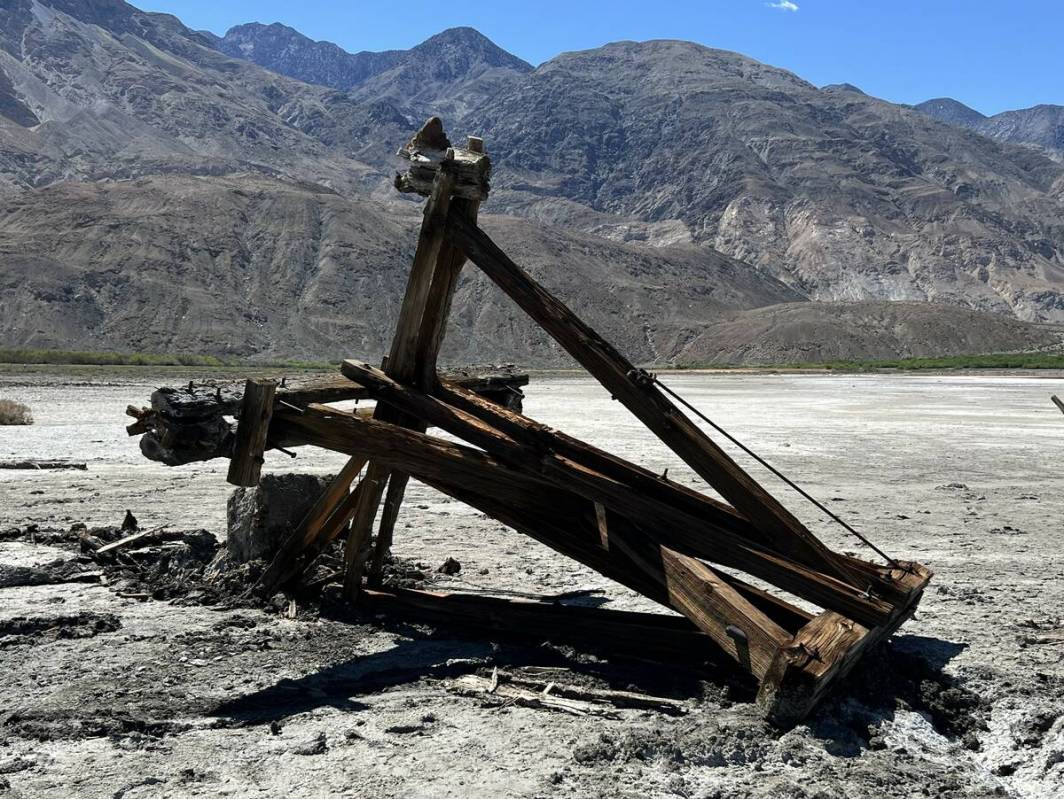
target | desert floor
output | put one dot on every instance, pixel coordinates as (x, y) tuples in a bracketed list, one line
[(961, 472)]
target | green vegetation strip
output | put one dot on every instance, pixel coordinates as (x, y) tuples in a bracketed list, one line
[(145, 359), (994, 361)]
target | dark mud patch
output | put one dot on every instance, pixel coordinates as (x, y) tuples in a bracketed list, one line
[(694, 742), (53, 573), (23, 630), (39, 725), (888, 679)]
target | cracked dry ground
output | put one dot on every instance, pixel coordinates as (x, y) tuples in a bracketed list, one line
[(108, 696)]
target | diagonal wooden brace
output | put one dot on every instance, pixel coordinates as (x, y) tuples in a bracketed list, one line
[(642, 398)]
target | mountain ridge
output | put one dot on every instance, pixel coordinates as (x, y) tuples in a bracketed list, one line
[(1040, 126), (684, 157)]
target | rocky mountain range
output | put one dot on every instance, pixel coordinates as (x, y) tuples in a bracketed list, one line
[(1041, 126), (162, 189)]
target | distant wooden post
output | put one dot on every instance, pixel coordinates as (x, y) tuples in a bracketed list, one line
[(1058, 402)]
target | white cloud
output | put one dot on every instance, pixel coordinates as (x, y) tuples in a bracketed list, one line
[(783, 5)]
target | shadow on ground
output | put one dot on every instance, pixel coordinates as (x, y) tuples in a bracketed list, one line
[(442, 652)]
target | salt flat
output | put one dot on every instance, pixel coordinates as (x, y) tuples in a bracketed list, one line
[(960, 472)]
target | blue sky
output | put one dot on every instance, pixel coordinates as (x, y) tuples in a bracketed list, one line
[(991, 55)]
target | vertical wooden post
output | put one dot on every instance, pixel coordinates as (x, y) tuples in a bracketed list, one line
[(252, 428), (445, 277), (402, 362)]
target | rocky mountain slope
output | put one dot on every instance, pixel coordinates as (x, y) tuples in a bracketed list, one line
[(159, 193), (1041, 126), (446, 74), (841, 195), (99, 89), (253, 266), (250, 266)]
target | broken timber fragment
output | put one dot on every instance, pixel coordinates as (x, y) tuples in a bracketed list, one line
[(430, 148), (472, 685)]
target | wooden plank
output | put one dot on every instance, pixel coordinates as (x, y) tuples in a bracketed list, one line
[(401, 362), (356, 547), (251, 432), (560, 520), (742, 631), (669, 526), (285, 563), (505, 694), (433, 325), (645, 401), (540, 437), (213, 398), (438, 304), (393, 500), (436, 461), (187, 424), (122, 543)]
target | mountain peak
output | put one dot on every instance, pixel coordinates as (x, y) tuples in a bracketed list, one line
[(473, 45), (946, 109), (452, 52), (842, 87)]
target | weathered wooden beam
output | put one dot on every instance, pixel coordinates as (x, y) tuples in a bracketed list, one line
[(288, 560), (393, 500), (356, 549), (628, 385), (633, 634), (402, 358), (449, 262), (695, 536), (823, 652), (251, 432), (541, 438), (187, 424), (429, 459), (722, 607), (1058, 402)]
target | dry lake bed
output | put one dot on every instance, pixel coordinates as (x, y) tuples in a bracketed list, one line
[(150, 698)]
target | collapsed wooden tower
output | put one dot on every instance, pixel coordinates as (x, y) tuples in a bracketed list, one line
[(643, 530)]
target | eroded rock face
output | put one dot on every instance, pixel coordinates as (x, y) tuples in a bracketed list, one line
[(259, 518), (840, 195), (227, 208)]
